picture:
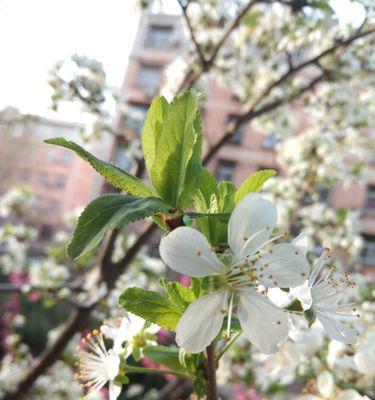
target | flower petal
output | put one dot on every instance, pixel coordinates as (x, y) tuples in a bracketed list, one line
[(263, 323), (336, 329), (114, 390), (187, 251), (201, 322), (113, 365), (302, 242), (303, 293), (279, 297), (325, 384), (351, 394), (284, 266), (251, 225)]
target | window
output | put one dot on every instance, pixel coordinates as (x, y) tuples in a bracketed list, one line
[(270, 141), (370, 198), (43, 179), (149, 76), (323, 194), (135, 117), (52, 205), (50, 157), (66, 156), (25, 175), (225, 170), (239, 132), (60, 181), (159, 36), (368, 252)]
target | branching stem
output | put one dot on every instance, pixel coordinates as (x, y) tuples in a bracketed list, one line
[(227, 346)]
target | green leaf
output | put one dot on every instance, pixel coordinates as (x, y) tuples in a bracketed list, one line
[(253, 183), (226, 195), (108, 212), (152, 128), (153, 306), (113, 174), (226, 204), (216, 201), (176, 169), (310, 316), (205, 201), (206, 189), (194, 168), (222, 217), (167, 356), (179, 294)]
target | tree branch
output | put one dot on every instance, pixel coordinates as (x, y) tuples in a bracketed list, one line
[(192, 75), (211, 390), (253, 111), (202, 59), (77, 321), (312, 61), (252, 114)]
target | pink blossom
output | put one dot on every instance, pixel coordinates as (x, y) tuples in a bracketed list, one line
[(185, 280)]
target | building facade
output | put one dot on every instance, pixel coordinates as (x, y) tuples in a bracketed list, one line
[(159, 41), (60, 181)]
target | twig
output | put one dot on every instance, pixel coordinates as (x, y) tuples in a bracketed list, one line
[(169, 389), (252, 114), (253, 110), (313, 60), (192, 74), (198, 48), (227, 346)]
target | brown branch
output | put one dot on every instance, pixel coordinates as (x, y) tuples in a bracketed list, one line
[(312, 61), (231, 27), (202, 59), (174, 390), (77, 321), (192, 74), (210, 366), (254, 112)]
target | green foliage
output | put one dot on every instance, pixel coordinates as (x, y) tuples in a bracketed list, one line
[(254, 183), (176, 167), (167, 356), (218, 200), (179, 294), (163, 309), (152, 129), (310, 316), (108, 212), (205, 196), (153, 306), (113, 174)]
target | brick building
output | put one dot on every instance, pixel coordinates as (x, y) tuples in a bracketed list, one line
[(60, 181), (160, 40)]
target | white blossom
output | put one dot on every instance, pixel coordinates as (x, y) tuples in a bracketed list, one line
[(241, 269)]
